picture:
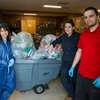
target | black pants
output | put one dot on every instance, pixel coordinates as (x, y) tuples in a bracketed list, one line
[(68, 83), (85, 90)]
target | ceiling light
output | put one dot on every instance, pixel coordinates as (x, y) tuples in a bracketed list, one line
[(51, 6), (29, 14), (98, 10)]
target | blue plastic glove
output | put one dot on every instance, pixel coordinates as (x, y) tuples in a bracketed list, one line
[(96, 82), (11, 62), (71, 71)]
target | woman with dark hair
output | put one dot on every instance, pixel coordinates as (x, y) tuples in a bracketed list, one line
[(7, 77), (69, 41)]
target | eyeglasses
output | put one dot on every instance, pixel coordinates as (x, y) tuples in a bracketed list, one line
[(3, 24)]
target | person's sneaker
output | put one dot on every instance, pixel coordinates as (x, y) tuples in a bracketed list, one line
[(68, 98)]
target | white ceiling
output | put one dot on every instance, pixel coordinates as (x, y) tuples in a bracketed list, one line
[(18, 7)]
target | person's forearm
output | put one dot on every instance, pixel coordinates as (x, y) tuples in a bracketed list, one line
[(77, 57)]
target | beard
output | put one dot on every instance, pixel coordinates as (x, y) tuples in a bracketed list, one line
[(92, 25)]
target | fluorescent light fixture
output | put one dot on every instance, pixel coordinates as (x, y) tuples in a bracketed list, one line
[(98, 10), (51, 6), (29, 14)]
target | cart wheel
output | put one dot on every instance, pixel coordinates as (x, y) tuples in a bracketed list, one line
[(22, 92), (39, 89)]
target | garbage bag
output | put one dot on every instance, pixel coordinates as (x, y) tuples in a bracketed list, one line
[(40, 54), (43, 52), (22, 45), (46, 40)]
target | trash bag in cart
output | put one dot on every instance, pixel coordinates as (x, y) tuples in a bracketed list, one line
[(43, 52), (22, 45)]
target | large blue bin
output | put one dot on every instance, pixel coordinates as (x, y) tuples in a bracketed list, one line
[(36, 73)]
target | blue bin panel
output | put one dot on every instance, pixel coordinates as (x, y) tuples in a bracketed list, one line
[(48, 71), (23, 72)]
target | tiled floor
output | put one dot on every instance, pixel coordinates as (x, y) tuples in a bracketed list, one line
[(55, 92)]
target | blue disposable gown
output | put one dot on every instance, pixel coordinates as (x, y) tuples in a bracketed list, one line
[(7, 80)]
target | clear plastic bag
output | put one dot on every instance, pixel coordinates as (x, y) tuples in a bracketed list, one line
[(40, 54), (43, 53), (22, 45), (46, 40)]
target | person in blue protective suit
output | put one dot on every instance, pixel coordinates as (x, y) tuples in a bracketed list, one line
[(69, 41), (7, 77)]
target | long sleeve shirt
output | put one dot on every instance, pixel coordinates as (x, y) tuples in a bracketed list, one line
[(69, 45)]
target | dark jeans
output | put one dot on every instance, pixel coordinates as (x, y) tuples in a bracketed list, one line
[(85, 90), (68, 83)]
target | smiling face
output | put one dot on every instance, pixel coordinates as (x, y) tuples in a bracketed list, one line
[(90, 18), (69, 28), (3, 32)]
